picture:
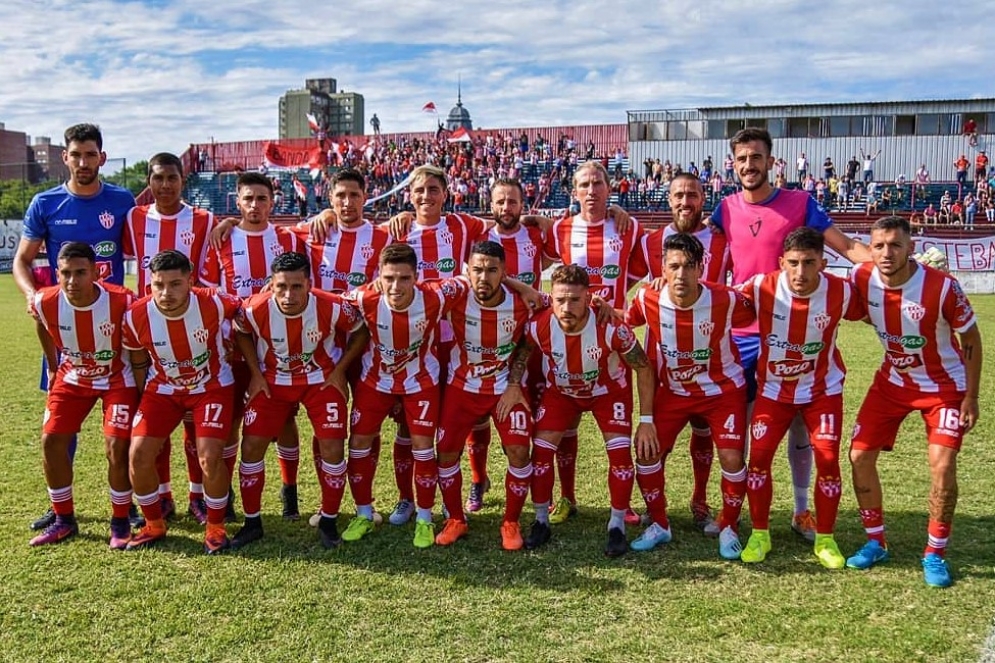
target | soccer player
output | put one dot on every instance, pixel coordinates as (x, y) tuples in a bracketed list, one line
[(756, 221), (932, 365), (687, 199), (300, 336), (488, 319), (177, 338), (79, 320), (524, 260), (241, 268), (84, 209), (586, 362), (170, 223), (690, 322), (401, 364), (799, 371), (602, 245)]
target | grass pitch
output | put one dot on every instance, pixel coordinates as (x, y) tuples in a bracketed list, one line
[(286, 598)]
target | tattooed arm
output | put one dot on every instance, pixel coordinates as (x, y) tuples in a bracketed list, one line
[(970, 345)]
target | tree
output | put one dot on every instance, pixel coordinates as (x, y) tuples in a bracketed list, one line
[(16, 195), (131, 177)]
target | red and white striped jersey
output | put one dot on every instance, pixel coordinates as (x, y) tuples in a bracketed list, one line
[(402, 357), (693, 347), (188, 353), (241, 268), (585, 363), (523, 251), (88, 339), (444, 248), (485, 338), (347, 259), (648, 260), (301, 349), (599, 248), (799, 361), (151, 232), (916, 323)]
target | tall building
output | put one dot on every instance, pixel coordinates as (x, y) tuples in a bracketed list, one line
[(459, 117), (14, 161), (48, 160), (338, 113)]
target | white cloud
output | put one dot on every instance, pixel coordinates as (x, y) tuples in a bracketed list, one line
[(158, 75)]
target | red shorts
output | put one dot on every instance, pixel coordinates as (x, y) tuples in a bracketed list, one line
[(724, 414), (370, 407), (67, 407), (159, 414), (823, 419), (326, 408), (612, 411), (461, 410), (886, 406)]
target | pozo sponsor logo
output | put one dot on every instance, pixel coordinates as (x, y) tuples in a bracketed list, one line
[(791, 368), (903, 362), (686, 373)]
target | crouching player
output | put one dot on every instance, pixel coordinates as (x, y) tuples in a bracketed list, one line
[(79, 320), (302, 340), (583, 361), (691, 323), (176, 336), (487, 320), (918, 314), (799, 371)]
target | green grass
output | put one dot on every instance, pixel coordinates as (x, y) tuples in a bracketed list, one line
[(380, 599)]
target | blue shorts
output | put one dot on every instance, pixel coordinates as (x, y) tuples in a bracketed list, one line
[(749, 351)]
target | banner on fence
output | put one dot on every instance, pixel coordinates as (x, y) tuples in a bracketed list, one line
[(963, 255), (10, 237)]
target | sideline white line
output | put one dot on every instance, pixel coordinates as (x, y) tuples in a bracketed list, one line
[(988, 649)]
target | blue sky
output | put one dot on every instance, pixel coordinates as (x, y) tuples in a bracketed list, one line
[(158, 75)]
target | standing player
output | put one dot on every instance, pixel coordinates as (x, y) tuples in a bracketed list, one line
[(300, 336), (488, 319), (799, 371), (690, 323), (79, 320), (756, 221), (586, 365), (170, 223), (932, 365), (401, 364), (84, 209), (241, 268), (595, 240), (687, 200), (524, 260), (182, 329)]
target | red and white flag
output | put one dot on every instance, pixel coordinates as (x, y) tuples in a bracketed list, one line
[(301, 189), (429, 107), (312, 122)]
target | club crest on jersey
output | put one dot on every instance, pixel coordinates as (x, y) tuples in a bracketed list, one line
[(706, 327), (822, 321), (106, 219), (421, 325), (200, 335), (914, 310), (446, 237), (187, 237), (250, 416), (366, 250), (107, 328), (508, 325), (313, 334), (615, 244), (758, 430), (530, 250), (707, 258), (593, 352), (276, 248)]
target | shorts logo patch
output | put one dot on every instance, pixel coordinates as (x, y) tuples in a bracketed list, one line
[(758, 430), (250, 416)]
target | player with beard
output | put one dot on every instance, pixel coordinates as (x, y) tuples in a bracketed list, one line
[(756, 222), (687, 199), (932, 365)]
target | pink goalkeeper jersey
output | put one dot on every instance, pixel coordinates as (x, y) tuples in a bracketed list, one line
[(756, 231)]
